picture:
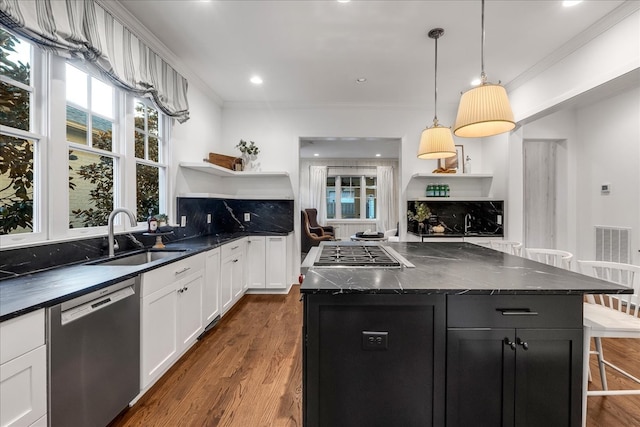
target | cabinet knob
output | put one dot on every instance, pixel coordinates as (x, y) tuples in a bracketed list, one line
[(510, 343), (524, 344)]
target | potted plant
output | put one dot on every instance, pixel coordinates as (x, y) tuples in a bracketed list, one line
[(422, 214), (249, 152), (163, 219)]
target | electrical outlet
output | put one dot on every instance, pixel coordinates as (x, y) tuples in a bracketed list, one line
[(208, 218), (247, 216), (499, 220), (375, 340), (183, 221)]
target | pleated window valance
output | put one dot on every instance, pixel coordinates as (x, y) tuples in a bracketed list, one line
[(83, 29)]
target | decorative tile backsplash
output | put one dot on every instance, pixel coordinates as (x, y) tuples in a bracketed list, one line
[(227, 216), (486, 216)]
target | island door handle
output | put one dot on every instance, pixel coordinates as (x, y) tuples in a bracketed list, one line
[(524, 344), (517, 312), (182, 271), (510, 343)]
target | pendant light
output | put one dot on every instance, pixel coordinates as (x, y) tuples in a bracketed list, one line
[(436, 141), (484, 110)]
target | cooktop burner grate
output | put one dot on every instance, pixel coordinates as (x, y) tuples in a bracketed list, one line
[(355, 256)]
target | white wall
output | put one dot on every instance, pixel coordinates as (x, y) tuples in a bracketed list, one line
[(608, 151)]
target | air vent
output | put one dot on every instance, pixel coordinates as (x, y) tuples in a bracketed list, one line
[(613, 244)]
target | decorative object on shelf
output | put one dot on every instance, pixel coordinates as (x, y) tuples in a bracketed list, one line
[(437, 190), (249, 152), (453, 163), (436, 142), (227, 162), (467, 165), (422, 214), (484, 110)]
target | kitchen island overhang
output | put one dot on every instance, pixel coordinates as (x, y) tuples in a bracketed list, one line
[(470, 336)]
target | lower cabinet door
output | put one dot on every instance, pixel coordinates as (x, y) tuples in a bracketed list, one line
[(190, 309), (276, 262), (23, 389), (548, 377), (226, 283), (480, 377), (159, 348)]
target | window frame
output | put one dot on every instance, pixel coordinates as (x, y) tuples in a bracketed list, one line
[(363, 197)]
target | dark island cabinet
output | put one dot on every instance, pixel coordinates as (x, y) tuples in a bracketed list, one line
[(514, 361), (374, 360)]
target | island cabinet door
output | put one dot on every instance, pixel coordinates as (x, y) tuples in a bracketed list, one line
[(548, 386), (374, 360), (480, 377)]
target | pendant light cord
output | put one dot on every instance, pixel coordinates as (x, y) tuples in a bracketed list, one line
[(483, 76), (435, 87)]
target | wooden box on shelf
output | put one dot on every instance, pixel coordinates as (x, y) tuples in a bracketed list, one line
[(229, 162)]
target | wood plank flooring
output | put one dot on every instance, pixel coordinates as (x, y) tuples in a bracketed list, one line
[(247, 372)]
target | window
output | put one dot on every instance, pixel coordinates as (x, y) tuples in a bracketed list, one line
[(91, 120), (149, 152), (18, 141), (357, 197)]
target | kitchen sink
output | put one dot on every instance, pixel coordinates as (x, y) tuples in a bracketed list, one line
[(139, 258)]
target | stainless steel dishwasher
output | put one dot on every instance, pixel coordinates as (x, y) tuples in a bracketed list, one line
[(94, 356)]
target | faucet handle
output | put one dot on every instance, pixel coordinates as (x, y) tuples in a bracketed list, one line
[(116, 246)]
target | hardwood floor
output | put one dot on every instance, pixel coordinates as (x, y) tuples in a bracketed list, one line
[(247, 372)]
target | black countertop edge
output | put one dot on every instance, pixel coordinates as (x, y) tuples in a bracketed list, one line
[(494, 292), (458, 235), (45, 288)]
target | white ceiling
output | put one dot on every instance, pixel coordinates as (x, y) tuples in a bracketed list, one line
[(309, 53)]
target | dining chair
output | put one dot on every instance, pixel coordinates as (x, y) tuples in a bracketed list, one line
[(609, 316), (554, 257), (506, 246)]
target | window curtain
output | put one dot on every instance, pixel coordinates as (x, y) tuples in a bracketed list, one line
[(83, 29), (318, 190), (387, 216)]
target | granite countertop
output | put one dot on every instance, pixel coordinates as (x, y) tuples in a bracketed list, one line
[(25, 293), (455, 234), (455, 268)]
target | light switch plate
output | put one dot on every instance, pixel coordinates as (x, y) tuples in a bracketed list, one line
[(208, 218), (247, 216)]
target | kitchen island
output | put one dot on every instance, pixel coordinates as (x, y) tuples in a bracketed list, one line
[(469, 336)]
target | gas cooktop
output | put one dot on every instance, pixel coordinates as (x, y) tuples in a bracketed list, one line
[(355, 255)]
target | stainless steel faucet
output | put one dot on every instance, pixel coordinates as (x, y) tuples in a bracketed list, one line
[(467, 223), (111, 238)]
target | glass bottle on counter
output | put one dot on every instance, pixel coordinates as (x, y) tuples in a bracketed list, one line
[(152, 223)]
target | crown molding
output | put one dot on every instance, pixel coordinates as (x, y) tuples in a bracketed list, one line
[(136, 27), (608, 21)]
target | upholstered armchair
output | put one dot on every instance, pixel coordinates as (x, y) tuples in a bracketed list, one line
[(311, 236), (313, 223)]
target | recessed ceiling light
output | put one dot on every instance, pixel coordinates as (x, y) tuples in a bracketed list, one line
[(378, 154), (256, 80), (568, 3), (344, 1), (316, 154), (361, 79)]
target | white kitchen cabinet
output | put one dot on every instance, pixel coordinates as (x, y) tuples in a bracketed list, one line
[(171, 312), (256, 262), (23, 371), (276, 262), (232, 277), (267, 262), (211, 291)]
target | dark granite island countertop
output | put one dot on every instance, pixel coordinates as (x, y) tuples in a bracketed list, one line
[(455, 268)]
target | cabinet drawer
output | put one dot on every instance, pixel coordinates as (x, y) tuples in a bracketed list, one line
[(157, 279), (232, 248), (21, 334), (514, 311)]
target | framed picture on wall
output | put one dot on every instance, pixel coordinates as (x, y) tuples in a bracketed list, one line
[(456, 162)]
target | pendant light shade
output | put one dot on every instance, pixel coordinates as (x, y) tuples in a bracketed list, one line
[(485, 109), (436, 141)]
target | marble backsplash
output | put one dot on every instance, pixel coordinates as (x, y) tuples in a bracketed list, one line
[(484, 215), (227, 216)]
